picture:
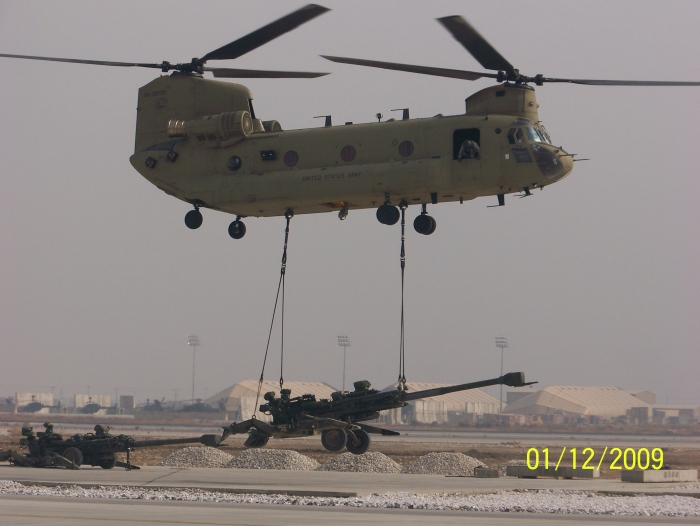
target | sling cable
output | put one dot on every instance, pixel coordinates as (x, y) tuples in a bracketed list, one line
[(280, 289)]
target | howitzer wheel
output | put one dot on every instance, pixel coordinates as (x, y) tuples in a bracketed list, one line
[(334, 439), (108, 460), (74, 455), (363, 443)]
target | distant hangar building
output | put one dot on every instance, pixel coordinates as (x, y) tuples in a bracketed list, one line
[(602, 402)]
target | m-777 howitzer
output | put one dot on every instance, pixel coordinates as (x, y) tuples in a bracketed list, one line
[(338, 420), (95, 449)]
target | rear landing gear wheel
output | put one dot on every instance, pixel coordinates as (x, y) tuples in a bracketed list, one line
[(388, 214), (193, 219), (236, 229), (334, 439), (74, 455), (363, 443), (424, 224)]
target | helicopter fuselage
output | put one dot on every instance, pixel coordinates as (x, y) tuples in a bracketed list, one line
[(195, 142)]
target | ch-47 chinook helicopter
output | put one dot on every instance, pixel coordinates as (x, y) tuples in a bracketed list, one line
[(199, 140)]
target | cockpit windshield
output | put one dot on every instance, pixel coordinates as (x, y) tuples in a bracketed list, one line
[(537, 135), (532, 135)]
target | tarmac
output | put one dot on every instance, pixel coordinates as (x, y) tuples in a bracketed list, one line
[(51, 511), (322, 483)]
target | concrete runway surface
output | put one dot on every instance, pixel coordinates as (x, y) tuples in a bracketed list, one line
[(40, 511), (317, 483)]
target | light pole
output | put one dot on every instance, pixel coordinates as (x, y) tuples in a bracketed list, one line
[(193, 341), (502, 343), (344, 342)]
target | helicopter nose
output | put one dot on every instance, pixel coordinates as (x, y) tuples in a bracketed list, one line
[(553, 163), (567, 162)]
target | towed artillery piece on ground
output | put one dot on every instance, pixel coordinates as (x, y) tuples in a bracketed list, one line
[(49, 449), (339, 420)]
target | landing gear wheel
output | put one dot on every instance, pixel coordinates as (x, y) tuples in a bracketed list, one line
[(388, 215), (236, 229), (334, 439), (193, 219), (424, 224), (363, 442), (74, 455), (256, 441), (108, 460)]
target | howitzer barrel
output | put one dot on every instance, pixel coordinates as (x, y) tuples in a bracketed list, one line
[(510, 379), (207, 440)]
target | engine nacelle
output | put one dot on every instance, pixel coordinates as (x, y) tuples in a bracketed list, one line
[(227, 127)]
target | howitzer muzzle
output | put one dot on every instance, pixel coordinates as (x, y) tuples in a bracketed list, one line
[(509, 379)]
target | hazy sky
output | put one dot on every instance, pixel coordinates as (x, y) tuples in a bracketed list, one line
[(595, 280)]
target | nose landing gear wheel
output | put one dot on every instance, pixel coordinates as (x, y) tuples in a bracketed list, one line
[(193, 219), (236, 229), (334, 439), (363, 443), (424, 224), (388, 215)]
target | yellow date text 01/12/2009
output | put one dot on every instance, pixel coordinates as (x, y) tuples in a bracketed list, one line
[(619, 458)]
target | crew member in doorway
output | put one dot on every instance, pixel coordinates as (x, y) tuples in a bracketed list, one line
[(468, 150)]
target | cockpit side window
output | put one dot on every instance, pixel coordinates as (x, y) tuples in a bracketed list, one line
[(544, 133), (519, 136), (511, 136)]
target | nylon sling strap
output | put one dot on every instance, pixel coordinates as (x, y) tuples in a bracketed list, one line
[(402, 360), (280, 288)]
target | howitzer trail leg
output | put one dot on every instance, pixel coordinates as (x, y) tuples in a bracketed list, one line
[(58, 460), (16, 458)]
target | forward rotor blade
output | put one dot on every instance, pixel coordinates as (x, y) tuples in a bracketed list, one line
[(79, 61), (590, 82), (477, 45), (229, 73), (265, 34), (425, 70)]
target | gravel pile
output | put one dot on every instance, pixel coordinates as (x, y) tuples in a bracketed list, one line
[(542, 501), (196, 457), (443, 464), (272, 459), (504, 467), (370, 462)]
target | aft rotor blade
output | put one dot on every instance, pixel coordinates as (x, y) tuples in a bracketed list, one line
[(477, 45), (425, 70), (229, 73), (265, 34), (80, 61), (590, 82)]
